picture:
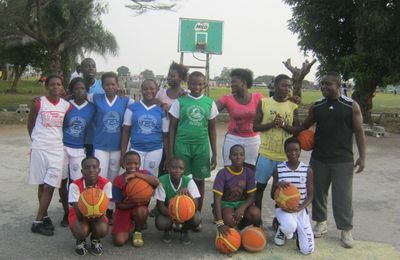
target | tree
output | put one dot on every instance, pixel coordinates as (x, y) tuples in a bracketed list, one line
[(225, 76), (147, 74), (264, 79), (358, 38), (123, 71), (298, 75), (54, 24), (144, 6)]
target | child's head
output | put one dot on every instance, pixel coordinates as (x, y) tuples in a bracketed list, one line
[(176, 168), (292, 149), (131, 161), (177, 73), (237, 155), (109, 80), (54, 85), (196, 83), (149, 89), (90, 169), (77, 88)]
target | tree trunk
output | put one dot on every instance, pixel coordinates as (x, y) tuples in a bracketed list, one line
[(54, 61), (297, 86), (18, 71), (363, 95), (4, 71)]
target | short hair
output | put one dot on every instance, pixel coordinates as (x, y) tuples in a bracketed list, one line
[(181, 69), (74, 82), (196, 74), (107, 75), (176, 159), (147, 80), (131, 153), (336, 75), (53, 76), (235, 146), (291, 140), (87, 60), (243, 74), (89, 158), (279, 78)]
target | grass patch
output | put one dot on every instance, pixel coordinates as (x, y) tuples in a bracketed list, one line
[(26, 90)]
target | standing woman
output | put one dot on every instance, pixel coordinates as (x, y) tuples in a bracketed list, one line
[(241, 106), (177, 75), (146, 126)]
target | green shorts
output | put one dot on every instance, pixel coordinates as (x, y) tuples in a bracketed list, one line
[(196, 158), (232, 204)]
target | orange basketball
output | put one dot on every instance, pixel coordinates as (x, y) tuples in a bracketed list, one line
[(139, 190), (287, 198), (93, 203), (306, 139), (253, 239), (228, 244), (181, 208)]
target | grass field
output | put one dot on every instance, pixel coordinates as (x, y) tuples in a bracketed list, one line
[(27, 89)]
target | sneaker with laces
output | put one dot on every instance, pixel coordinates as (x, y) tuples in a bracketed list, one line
[(137, 240), (48, 223), (80, 248), (176, 227), (198, 228), (64, 221), (347, 239), (39, 228), (167, 237), (321, 228), (279, 238), (185, 239), (96, 248)]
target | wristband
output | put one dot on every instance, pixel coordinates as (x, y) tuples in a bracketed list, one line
[(219, 223), (283, 123)]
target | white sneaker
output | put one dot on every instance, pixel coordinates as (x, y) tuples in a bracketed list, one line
[(288, 237), (347, 239), (320, 229), (279, 238)]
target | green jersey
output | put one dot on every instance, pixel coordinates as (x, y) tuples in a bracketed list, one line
[(169, 188)]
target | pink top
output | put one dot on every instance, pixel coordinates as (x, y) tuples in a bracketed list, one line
[(241, 116)]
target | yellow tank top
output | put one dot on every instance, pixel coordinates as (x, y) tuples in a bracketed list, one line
[(272, 140)]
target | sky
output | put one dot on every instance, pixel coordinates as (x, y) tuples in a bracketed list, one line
[(255, 36)]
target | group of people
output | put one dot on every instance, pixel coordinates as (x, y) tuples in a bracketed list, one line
[(170, 134)]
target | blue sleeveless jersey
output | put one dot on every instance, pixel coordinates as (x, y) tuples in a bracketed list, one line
[(76, 124), (108, 121), (146, 127), (96, 88)]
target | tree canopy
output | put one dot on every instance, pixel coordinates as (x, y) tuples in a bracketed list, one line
[(359, 38), (123, 71)]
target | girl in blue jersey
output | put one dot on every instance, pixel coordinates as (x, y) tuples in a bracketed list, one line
[(75, 127), (110, 109), (146, 126)]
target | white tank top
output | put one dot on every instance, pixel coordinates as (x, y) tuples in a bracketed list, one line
[(297, 177), (48, 130)]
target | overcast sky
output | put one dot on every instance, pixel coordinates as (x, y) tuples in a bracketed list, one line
[(255, 36)]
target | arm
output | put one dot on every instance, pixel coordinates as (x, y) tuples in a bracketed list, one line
[(173, 124), (221, 227), (239, 213), (287, 127), (78, 213), (257, 126), (126, 131), (276, 184), (32, 116), (307, 123), (152, 180), (220, 105), (162, 208), (212, 133), (360, 137)]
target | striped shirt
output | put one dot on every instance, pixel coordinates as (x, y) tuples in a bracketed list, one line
[(296, 177)]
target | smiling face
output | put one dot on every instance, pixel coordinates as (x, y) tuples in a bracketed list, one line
[(237, 156), (90, 170), (88, 69), (292, 151), (196, 85), (237, 86), (149, 90), (110, 86), (330, 86), (132, 163)]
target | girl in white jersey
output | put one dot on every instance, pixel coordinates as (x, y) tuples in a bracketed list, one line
[(45, 124), (296, 220)]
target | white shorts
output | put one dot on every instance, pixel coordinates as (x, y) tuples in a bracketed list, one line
[(300, 222), (250, 144), (46, 167), (150, 160), (72, 163), (109, 163)]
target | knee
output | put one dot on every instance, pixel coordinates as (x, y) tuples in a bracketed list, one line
[(253, 215), (100, 230), (196, 220), (288, 227), (229, 221), (119, 239), (163, 222), (142, 212)]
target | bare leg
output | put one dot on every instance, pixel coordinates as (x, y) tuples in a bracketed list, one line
[(200, 186), (44, 201)]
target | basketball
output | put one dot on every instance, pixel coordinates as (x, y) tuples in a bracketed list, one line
[(181, 208), (306, 139), (253, 239), (93, 203), (228, 244), (139, 190), (287, 198)]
